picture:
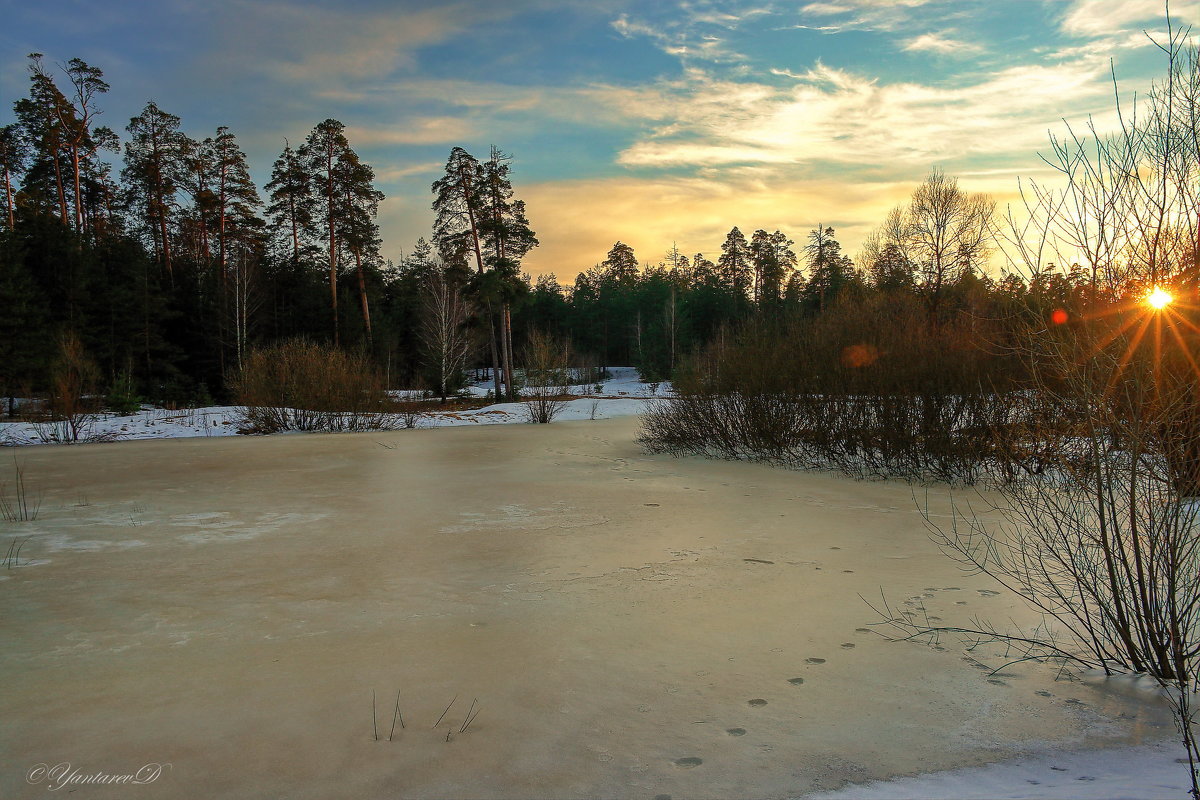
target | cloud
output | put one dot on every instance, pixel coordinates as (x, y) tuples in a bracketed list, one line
[(398, 172), (1095, 18), (829, 116), (942, 45), (883, 15), (409, 130), (690, 35), (317, 45)]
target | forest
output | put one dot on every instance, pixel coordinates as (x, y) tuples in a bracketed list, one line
[(154, 256)]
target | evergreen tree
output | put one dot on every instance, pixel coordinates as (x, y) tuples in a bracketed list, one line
[(774, 260), (458, 208), (290, 211), (620, 265), (358, 231), (14, 151), (40, 116), (506, 237), (830, 272), (320, 154), (735, 267), (82, 142), (154, 169)]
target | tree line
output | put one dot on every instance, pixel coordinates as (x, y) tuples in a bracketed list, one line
[(171, 268)]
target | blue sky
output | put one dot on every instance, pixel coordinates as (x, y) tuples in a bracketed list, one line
[(647, 122)]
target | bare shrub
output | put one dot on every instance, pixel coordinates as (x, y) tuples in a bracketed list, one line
[(72, 408), (298, 385), (410, 413), (869, 389), (547, 377)]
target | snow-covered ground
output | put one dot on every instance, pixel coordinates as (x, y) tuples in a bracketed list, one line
[(1136, 773), (622, 394)]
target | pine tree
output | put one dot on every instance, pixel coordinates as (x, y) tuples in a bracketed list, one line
[(14, 151), (154, 169), (458, 208), (830, 272), (40, 117), (238, 229), (735, 268), (82, 142), (290, 211), (359, 233), (774, 261), (320, 155), (507, 238), (620, 265)]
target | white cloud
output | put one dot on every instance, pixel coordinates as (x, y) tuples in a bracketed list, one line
[(829, 116), (941, 44), (688, 36), (409, 130), (1094, 18), (881, 15), (397, 172)]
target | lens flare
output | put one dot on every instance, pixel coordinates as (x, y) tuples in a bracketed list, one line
[(1158, 299)]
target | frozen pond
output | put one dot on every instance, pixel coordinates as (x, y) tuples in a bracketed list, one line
[(630, 625)]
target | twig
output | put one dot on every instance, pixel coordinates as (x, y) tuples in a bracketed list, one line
[(396, 713), (439, 719), (470, 717), (374, 726)]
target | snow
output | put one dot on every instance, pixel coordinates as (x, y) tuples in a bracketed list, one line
[(1139, 773), (623, 394)]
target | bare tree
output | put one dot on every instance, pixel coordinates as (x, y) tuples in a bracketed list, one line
[(547, 376), (1098, 514), (946, 232), (444, 335)]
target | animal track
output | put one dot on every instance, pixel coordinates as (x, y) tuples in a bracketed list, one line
[(795, 681), (690, 761), (757, 702)]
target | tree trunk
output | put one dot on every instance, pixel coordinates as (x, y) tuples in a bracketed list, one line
[(8, 199), (495, 353), (62, 192), (332, 240), (506, 341), (78, 191), (362, 292)]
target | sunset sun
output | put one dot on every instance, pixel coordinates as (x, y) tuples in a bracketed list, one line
[(1158, 299)]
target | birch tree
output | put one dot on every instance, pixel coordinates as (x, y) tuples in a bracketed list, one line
[(444, 335)]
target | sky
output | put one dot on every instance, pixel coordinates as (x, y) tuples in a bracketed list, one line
[(653, 123)]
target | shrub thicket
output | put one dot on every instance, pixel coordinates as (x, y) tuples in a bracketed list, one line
[(872, 389), (298, 385)]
